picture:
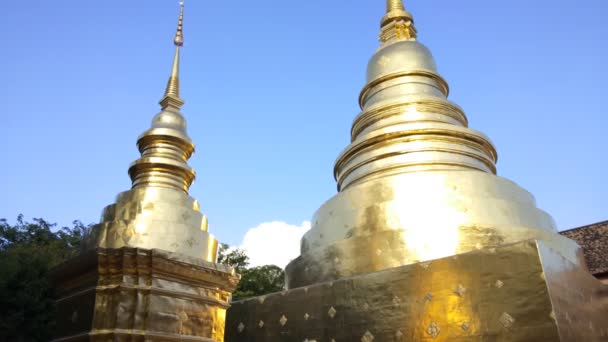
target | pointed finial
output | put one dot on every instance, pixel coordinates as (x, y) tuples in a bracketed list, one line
[(398, 23), (171, 97), (179, 35)]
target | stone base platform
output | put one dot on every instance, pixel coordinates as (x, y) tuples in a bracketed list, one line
[(520, 292), (130, 294)]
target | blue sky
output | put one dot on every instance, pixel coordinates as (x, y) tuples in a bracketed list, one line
[(271, 89)]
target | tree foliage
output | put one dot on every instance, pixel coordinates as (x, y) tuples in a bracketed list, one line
[(259, 281), (255, 281), (28, 250), (236, 258)]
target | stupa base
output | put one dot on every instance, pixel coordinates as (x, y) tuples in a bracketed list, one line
[(130, 294), (520, 292)]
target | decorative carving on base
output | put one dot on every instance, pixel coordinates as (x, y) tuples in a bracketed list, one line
[(520, 292), (132, 294)]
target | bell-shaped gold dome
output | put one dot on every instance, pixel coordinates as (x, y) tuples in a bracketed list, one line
[(400, 56)]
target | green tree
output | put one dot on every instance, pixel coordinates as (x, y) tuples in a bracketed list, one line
[(259, 281), (28, 250), (255, 281), (236, 258)]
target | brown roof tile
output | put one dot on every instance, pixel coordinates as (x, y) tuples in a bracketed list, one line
[(594, 240)]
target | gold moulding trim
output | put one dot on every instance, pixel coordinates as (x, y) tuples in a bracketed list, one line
[(171, 101), (162, 165), (161, 181), (435, 134), (445, 88), (414, 167), (396, 14), (165, 151), (174, 294), (397, 24), (353, 168), (415, 138), (149, 139), (161, 173), (370, 117), (412, 138)]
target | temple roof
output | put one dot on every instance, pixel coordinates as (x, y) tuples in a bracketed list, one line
[(594, 240)]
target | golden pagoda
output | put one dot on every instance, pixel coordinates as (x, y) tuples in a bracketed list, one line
[(424, 242), (148, 271)]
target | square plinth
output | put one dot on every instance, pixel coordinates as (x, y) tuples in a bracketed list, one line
[(520, 292), (131, 294)]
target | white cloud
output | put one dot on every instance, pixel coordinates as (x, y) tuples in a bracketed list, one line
[(273, 243)]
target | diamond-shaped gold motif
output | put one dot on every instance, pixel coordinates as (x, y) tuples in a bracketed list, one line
[(465, 326), (378, 252), (428, 297), (306, 316), (506, 320), (433, 330), (460, 290), (396, 301), (283, 320), (261, 324), (332, 312), (241, 327), (499, 284), (367, 337)]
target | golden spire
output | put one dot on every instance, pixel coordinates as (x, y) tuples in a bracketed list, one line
[(398, 23), (171, 97), (166, 147)]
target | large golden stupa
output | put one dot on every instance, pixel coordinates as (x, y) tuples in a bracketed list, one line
[(424, 242), (148, 271), (416, 183)]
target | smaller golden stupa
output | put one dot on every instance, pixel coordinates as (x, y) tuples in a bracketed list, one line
[(148, 271), (157, 212)]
